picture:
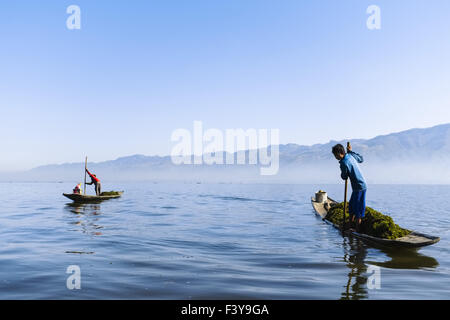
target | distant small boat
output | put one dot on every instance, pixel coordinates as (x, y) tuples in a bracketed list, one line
[(88, 198), (412, 240)]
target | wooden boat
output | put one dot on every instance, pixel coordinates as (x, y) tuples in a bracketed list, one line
[(412, 240), (88, 198)]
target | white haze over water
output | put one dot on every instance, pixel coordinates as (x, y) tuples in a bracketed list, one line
[(416, 156)]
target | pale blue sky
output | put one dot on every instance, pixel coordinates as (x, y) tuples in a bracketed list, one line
[(137, 70)]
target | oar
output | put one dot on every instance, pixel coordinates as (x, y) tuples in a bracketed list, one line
[(85, 168), (345, 196)]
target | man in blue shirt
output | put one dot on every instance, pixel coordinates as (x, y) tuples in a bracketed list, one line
[(350, 169)]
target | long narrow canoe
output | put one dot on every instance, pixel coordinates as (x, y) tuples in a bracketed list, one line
[(412, 240), (87, 198)]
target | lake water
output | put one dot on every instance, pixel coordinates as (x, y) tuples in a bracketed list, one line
[(213, 241)]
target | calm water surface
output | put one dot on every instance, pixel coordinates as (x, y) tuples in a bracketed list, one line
[(213, 241)]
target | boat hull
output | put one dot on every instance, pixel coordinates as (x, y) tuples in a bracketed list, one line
[(80, 198), (412, 240)]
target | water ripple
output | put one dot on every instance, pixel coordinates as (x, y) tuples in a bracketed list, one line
[(217, 241)]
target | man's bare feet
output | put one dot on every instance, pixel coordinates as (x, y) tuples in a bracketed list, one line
[(358, 225)]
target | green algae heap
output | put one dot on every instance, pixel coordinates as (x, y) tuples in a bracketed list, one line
[(110, 193), (374, 223)]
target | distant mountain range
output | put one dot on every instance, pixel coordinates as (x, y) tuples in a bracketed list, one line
[(413, 156)]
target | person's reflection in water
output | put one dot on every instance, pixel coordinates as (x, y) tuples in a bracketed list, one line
[(88, 217), (355, 254)]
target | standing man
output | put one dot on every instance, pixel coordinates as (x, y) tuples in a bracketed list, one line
[(96, 182), (350, 169)]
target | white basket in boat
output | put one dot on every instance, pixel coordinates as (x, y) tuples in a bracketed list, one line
[(321, 196)]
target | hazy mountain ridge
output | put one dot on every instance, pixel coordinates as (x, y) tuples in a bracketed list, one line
[(412, 156)]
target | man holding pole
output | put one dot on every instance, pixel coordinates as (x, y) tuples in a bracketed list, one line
[(96, 182), (350, 169)]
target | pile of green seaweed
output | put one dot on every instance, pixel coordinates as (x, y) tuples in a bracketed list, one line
[(374, 223), (110, 193)]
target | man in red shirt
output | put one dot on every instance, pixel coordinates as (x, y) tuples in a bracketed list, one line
[(96, 182)]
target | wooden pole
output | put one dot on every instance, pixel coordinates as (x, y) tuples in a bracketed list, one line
[(85, 167), (345, 204), (345, 195)]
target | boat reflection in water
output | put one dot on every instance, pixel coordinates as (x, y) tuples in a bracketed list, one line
[(355, 253), (87, 217)]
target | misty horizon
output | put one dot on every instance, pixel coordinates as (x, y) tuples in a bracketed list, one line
[(330, 141), (416, 156)]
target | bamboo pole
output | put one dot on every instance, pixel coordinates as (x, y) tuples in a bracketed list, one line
[(85, 168), (345, 204), (345, 196)]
